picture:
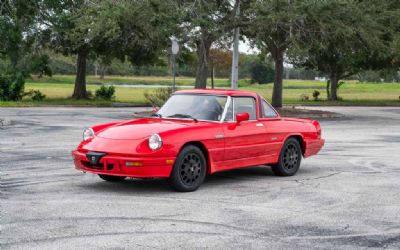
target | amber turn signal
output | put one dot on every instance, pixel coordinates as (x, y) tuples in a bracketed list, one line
[(133, 164)]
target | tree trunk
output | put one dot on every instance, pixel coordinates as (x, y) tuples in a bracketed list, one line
[(80, 79), (328, 87), (203, 54), (212, 74), (102, 72), (277, 90), (334, 84), (96, 66)]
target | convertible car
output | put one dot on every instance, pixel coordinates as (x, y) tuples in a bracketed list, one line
[(195, 133)]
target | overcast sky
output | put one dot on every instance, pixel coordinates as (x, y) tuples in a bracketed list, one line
[(244, 47)]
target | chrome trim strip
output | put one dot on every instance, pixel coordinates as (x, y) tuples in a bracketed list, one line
[(233, 110), (225, 109)]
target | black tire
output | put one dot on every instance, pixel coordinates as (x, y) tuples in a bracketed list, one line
[(112, 178), (289, 158), (189, 170)]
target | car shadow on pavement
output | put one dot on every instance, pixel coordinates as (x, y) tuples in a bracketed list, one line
[(130, 186), (158, 185), (239, 176)]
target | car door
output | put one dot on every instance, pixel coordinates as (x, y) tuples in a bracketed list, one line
[(244, 141), (272, 124)]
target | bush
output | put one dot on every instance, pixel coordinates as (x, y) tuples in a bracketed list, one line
[(35, 95), (12, 87), (105, 93), (261, 72), (304, 97), (315, 95), (159, 97)]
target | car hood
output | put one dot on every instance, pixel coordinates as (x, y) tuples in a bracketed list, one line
[(141, 128)]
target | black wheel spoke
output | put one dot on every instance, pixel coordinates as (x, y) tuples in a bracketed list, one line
[(190, 168), (290, 157)]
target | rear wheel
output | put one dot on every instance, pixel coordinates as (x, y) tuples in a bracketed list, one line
[(189, 169), (112, 178), (289, 158)]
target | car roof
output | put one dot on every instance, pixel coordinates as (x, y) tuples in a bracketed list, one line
[(229, 92)]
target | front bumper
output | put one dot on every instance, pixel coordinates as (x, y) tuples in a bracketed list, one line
[(143, 167)]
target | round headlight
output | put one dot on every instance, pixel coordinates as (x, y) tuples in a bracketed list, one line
[(87, 133), (155, 142)]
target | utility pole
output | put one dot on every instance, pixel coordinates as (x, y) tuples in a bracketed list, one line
[(174, 50), (235, 56)]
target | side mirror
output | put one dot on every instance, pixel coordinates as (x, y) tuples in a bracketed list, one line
[(242, 117)]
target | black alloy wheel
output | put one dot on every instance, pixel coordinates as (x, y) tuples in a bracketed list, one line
[(289, 158), (189, 170)]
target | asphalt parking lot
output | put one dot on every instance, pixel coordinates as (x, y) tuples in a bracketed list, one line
[(347, 197)]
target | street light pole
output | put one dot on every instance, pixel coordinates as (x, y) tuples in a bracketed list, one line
[(173, 72), (174, 50), (235, 56)]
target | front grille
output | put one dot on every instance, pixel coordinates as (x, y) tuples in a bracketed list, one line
[(97, 166)]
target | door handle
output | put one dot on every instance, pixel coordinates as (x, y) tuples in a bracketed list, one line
[(259, 125)]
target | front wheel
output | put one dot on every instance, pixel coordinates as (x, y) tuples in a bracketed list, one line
[(289, 158), (189, 170), (112, 178)]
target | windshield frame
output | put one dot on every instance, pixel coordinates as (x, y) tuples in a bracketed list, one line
[(225, 110)]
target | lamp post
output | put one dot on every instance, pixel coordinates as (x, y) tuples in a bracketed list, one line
[(235, 54), (174, 50)]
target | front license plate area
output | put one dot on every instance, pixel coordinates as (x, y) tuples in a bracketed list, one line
[(94, 157)]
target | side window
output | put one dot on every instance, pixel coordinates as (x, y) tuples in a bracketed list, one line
[(245, 104), (268, 111)]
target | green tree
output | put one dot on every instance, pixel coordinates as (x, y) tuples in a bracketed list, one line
[(134, 30), (272, 26), (17, 31), (19, 40), (262, 72), (204, 24), (59, 18), (348, 37)]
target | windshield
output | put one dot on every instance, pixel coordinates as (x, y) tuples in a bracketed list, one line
[(194, 106)]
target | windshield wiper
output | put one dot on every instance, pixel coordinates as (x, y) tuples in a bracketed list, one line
[(156, 115), (183, 116)]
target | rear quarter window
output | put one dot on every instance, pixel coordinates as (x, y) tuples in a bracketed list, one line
[(268, 111)]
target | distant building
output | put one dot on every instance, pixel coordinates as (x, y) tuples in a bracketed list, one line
[(321, 79)]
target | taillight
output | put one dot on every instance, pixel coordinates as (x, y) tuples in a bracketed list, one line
[(318, 127)]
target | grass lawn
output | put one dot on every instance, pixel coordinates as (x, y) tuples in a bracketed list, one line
[(59, 88), (136, 80)]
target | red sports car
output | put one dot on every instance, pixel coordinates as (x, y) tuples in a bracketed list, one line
[(195, 133)]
